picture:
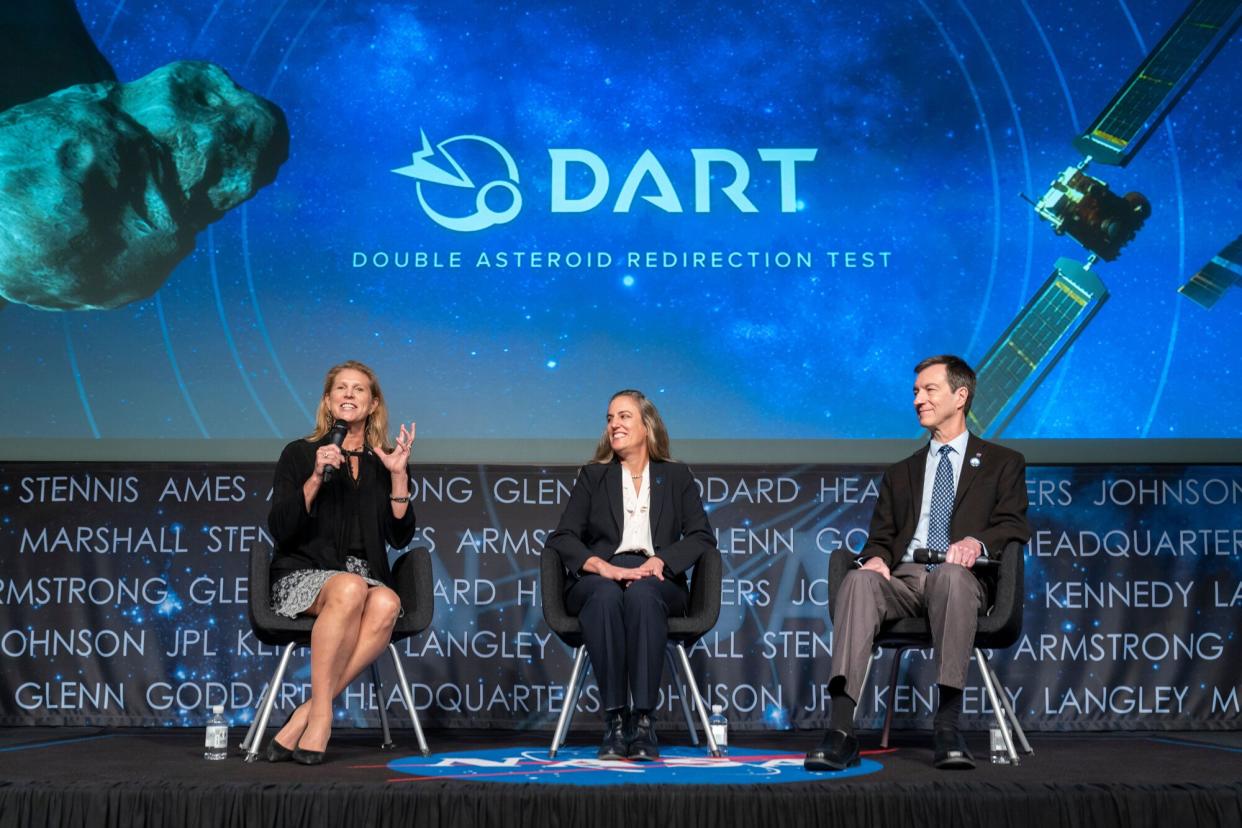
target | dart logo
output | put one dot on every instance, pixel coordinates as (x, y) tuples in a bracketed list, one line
[(579, 181), (489, 207)]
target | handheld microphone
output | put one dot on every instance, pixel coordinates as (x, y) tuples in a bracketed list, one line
[(937, 556), (336, 436)]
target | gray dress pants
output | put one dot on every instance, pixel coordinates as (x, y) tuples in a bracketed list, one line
[(950, 596)]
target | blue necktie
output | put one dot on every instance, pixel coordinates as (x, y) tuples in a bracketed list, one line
[(941, 511)]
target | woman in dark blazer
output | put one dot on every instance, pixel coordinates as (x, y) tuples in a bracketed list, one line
[(632, 528), (336, 507)]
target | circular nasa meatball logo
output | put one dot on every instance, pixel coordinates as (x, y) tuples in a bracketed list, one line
[(578, 766)]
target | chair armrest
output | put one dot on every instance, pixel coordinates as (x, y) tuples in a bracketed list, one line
[(1003, 623), (416, 585), (260, 573), (705, 584), (259, 587), (552, 593), (269, 627)]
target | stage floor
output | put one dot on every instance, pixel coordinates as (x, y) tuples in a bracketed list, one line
[(88, 777)]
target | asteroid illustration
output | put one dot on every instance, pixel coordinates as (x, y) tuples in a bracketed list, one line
[(103, 186)]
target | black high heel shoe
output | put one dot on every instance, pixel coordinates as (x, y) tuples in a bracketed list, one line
[(308, 757), (276, 752)]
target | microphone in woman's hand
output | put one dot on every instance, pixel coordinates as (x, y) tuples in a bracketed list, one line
[(336, 437)]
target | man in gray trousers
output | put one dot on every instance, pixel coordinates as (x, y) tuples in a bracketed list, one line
[(960, 495)]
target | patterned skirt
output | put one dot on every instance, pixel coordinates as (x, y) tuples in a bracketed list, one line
[(294, 593)]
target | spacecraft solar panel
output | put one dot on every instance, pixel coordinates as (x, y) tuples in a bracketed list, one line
[(1035, 340), (1224, 270), (1161, 80)]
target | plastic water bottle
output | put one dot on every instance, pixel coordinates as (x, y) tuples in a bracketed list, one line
[(720, 729), (217, 746), (996, 744)]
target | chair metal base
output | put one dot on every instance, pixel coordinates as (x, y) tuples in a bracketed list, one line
[(254, 736), (679, 666), (1002, 710)]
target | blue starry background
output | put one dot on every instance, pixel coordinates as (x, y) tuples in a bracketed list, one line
[(929, 118)]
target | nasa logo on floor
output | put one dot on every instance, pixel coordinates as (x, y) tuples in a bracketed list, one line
[(578, 766)]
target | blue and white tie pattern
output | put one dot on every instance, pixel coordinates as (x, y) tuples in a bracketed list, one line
[(941, 511)]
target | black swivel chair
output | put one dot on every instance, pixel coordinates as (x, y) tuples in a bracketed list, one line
[(412, 573), (700, 617), (999, 628)]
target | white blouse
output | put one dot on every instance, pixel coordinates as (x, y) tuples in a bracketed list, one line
[(636, 507)]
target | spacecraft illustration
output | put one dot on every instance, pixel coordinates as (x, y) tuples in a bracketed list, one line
[(1085, 209), (1210, 283)]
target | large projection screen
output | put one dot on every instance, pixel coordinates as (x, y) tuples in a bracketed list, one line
[(763, 215)]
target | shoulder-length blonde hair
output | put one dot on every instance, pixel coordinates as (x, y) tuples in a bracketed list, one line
[(377, 421), (657, 434)]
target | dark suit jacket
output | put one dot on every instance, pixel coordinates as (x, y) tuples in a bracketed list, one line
[(593, 520), (990, 503)]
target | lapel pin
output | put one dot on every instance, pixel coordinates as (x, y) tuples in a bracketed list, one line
[(974, 462)]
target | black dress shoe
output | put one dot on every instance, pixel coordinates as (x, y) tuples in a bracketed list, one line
[(276, 752), (308, 757), (644, 747), (837, 751), (616, 741), (951, 750)]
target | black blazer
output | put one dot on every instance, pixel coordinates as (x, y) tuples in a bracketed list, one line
[(316, 539), (990, 503), (593, 521)]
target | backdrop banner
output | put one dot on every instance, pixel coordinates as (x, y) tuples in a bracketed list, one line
[(124, 596)]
